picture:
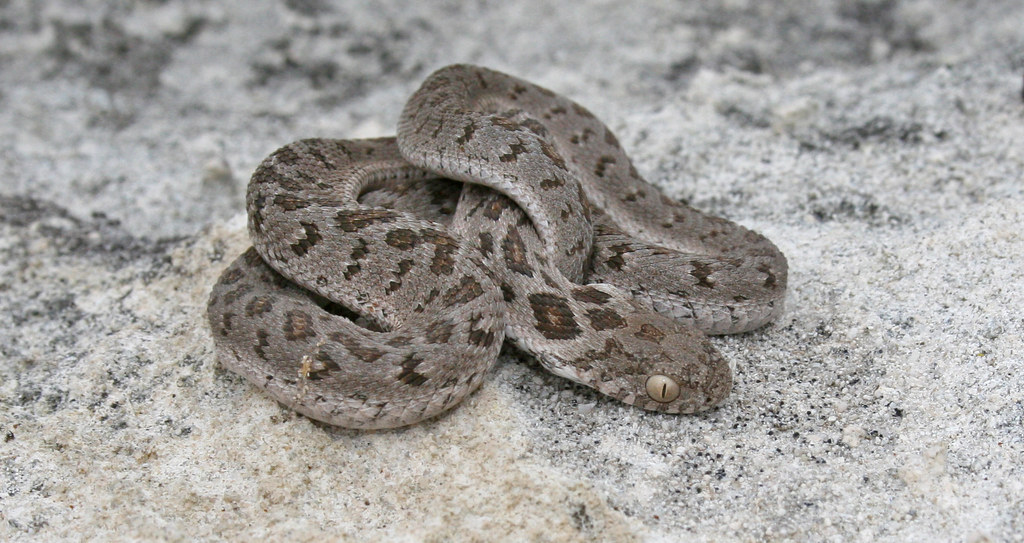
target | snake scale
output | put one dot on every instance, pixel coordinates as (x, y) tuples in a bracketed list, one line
[(386, 273)]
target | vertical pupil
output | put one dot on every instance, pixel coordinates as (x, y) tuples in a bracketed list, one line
[(664, 389)]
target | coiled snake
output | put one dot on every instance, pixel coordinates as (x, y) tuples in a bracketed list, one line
[(378, 294)]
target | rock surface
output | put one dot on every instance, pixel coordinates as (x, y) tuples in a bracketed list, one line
[(880, 144)]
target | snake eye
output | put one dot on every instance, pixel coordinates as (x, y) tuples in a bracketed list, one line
[(662, 389)]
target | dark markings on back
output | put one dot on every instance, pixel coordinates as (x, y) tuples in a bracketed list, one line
[(294, 180), (602, 165), (515, 253), (634, 196), (554, 318), (507, 293), (226, 323), (605, 319), (366, 354), (403, 268), (504, 123), (552, 153), (480, 337), (616, 262), (486, 244), (256, 215), (770, 280), (552, 183), (290, 203), (445, 247), (231, 276), (325, 366), (311, 238), (702, 272), (262, 342), (232, 296), (354, 220), (297, 325), (408, 375), (467, 290), (324, 161), (590, 295), (402, 239), (439, 332), (258, 305), (359, 251), (548, 280), (650, 333), (467, 133), (497, 205), (557, 110), (515, 149), (582, 137)]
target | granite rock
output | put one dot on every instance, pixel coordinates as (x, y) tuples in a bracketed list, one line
[(879, 143)]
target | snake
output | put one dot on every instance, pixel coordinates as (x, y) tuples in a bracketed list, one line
[(386, 274)]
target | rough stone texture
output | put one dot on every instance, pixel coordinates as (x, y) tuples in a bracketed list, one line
[(879, 143)]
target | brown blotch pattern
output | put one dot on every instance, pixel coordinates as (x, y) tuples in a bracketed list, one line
[(650, 333), (496, 207), (590, 295), (443, 262), (515, 253), (467, 133), (486, 245), (325, 365), (408, 375), (311, 238), (616, 261), (478, 336), (605, 319), (535, 126), (440, 332), (355, 220), (552, 153), (770, 280), (467, 290), (402, 239), (557, 110), (403, 268), (289, 202), (504, 122), (231, 296), (554, 318), (702, 272), (226, 323), (552, 183), (297, 325), (364, 353), (359, 251), (258, 306), (507, 293), (602, 165), (515, 149), (262, 342), (582, 137)]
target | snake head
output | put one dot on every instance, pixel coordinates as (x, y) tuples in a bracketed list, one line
[(658, 364)]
